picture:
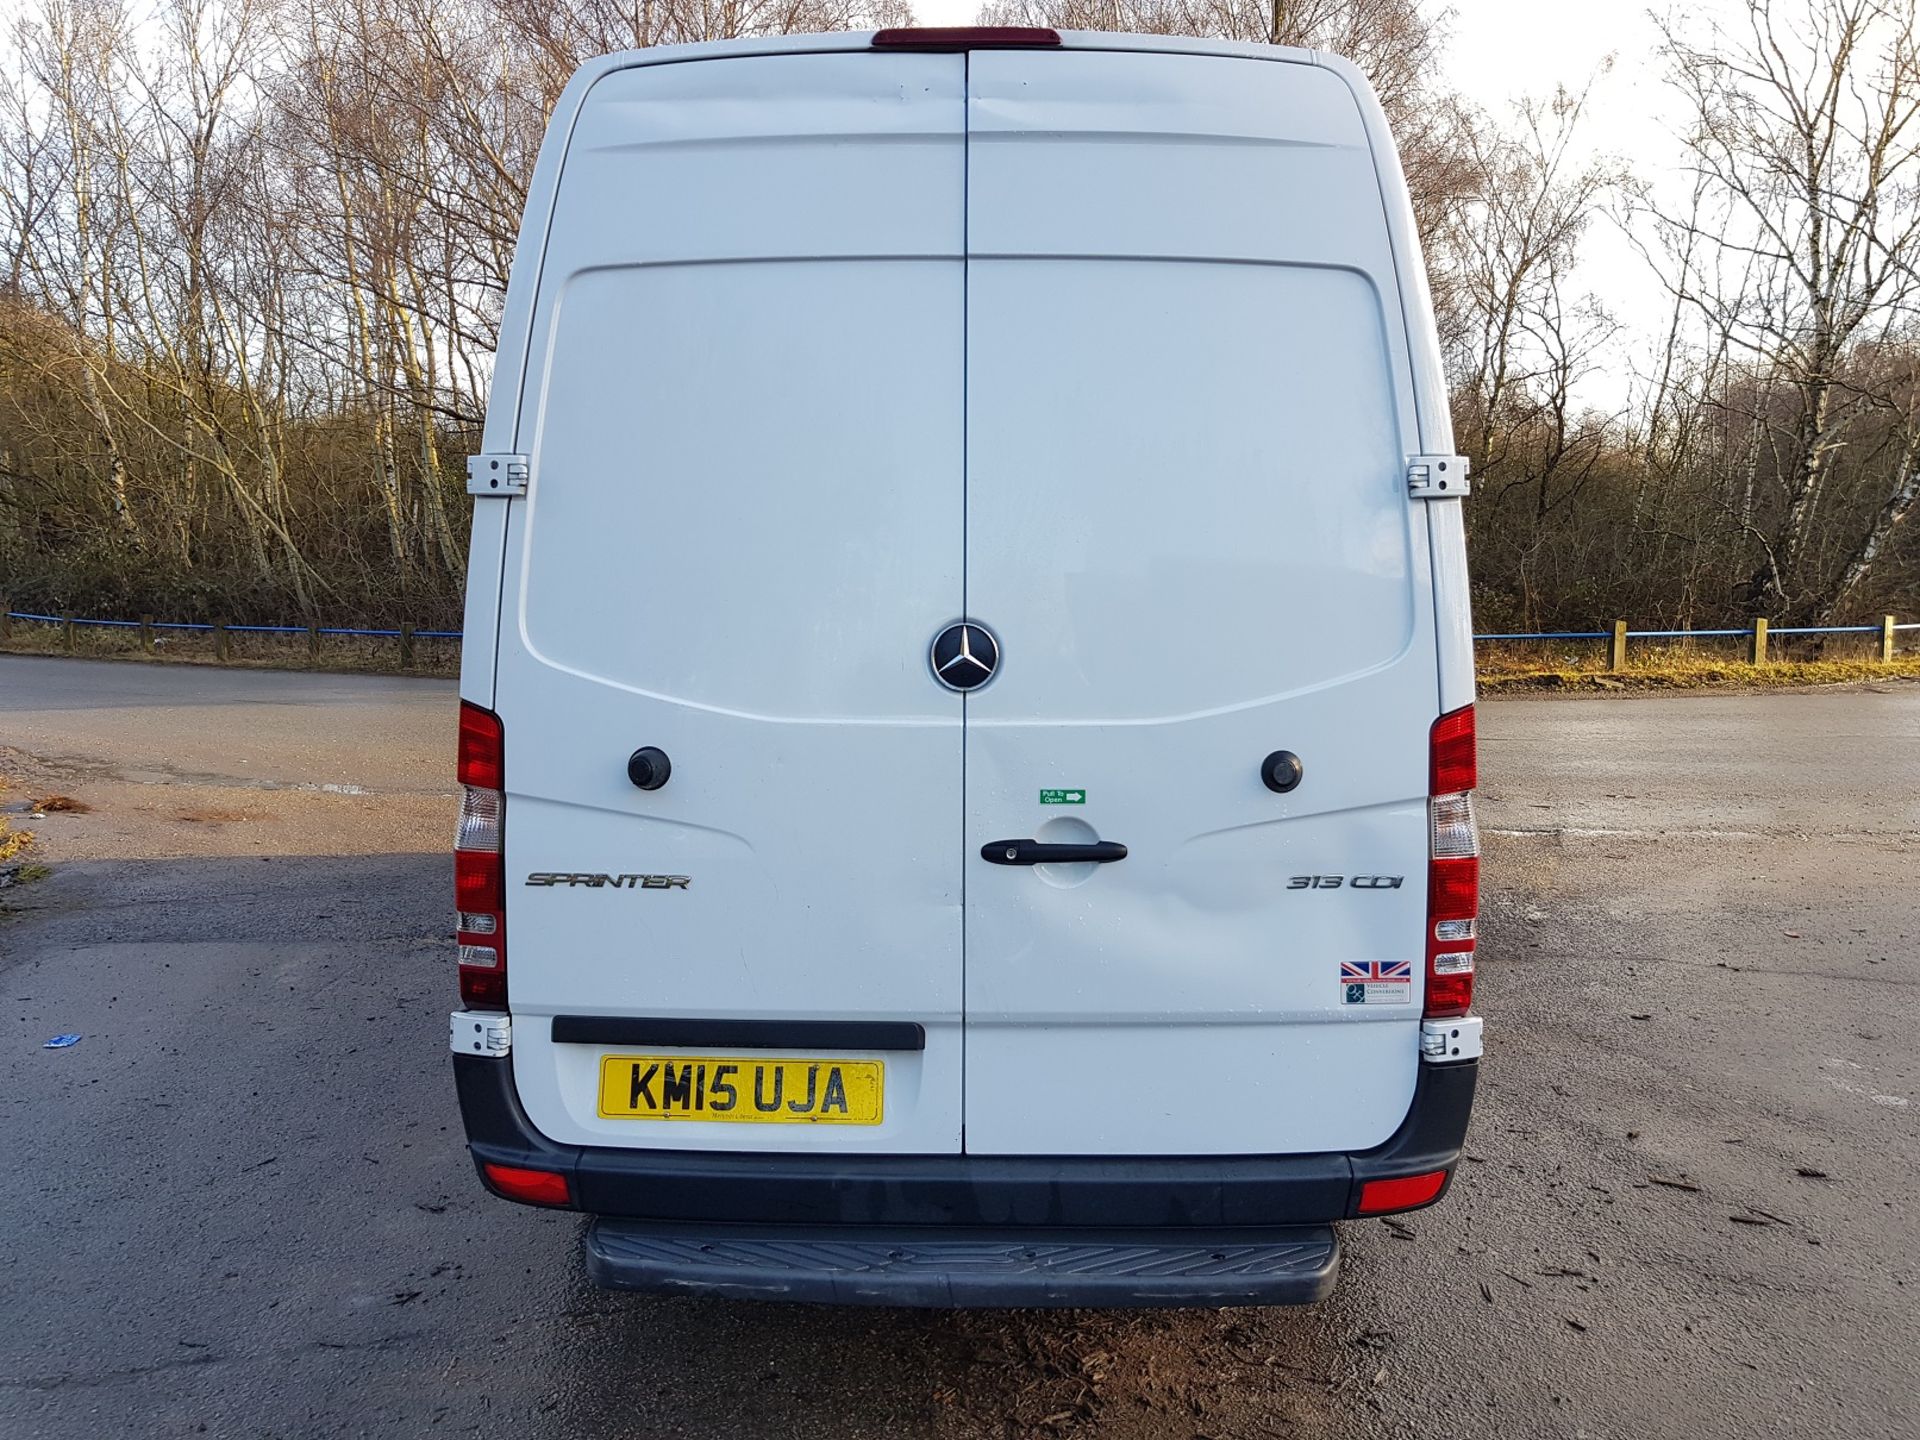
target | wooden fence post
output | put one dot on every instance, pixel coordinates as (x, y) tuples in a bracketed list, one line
[(406, 646), (220, 650), (1886, 639), (66, 625), (146, 634), (1758, 653), (1617, 661), (313, 644), (6, 619)]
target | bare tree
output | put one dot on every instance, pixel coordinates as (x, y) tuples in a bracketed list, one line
[(1521, 341), (1804, 143)]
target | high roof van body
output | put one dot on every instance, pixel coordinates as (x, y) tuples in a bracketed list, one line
[(967, 692)]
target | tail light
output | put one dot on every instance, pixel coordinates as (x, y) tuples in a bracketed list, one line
[(479, 886), (1401, 1192), (1453, 869), (529, 1187)]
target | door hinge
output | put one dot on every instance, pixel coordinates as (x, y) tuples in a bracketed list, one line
[(480, 1032), (1444, 1040), (1437, 477), (497, 475)]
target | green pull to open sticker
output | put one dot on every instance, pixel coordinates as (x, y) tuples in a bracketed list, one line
[(1063, 797)]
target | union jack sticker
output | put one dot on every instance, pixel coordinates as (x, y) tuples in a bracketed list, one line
[(1376, 982)]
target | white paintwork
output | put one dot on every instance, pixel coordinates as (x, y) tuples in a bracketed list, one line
[(480, 625), (745, 520), (1446, 522), (1121, 350), (1188, 521)]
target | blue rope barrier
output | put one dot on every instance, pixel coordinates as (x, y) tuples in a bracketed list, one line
[(1681, 634), (1553, 635), (1821, 630)]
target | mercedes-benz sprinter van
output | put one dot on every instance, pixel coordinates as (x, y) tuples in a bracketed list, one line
[(967, 697)]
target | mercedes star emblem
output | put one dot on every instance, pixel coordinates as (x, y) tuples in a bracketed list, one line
[(965, 655)]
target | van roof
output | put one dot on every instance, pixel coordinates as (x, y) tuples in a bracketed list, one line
[(847, 40)]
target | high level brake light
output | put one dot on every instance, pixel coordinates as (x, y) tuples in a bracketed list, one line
[(479, 887), (1453, 871), (967, 37)]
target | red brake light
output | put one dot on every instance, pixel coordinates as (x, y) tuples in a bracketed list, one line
[(1453, 869), (479, 889), (482, 989), (1453, 889), (1402, 1192), (1448, 994), (1454, 766), (966, 37), (529, 1187), (482, 750), (1453, 908)]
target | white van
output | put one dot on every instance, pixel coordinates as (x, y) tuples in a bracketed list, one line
[(967, 699)]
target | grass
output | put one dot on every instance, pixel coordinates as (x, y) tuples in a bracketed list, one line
[(1514, 669)]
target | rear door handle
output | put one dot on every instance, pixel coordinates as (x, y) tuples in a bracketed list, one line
[(1032, 852)]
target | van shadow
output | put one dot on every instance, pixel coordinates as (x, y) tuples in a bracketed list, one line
[(785, 1369)]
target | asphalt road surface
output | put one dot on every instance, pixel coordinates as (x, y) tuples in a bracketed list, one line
[(240, 1205)]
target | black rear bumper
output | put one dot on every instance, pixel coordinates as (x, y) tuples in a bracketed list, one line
[(958, 1269), (1028, 1195)]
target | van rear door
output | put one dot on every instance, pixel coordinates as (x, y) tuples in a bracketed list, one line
[(1189, 407), (743, 408)]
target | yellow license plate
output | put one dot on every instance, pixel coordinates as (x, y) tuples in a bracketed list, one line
[(741, 1088)]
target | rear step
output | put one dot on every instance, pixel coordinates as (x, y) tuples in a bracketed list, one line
[(1294, 1265)]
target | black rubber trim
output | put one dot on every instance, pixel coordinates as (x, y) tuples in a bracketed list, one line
[(1037, 1191), (740, 1034), (1430, 1137)]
